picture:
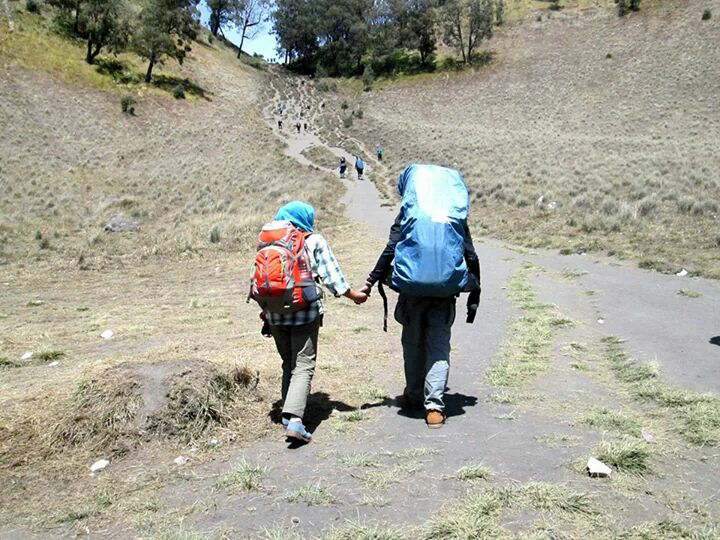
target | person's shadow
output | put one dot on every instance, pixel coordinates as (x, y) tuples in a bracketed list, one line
[(455, 405), (715, 340), (319, 408)]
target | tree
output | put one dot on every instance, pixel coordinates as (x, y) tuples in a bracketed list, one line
[(223, 13), (416, 21), (107, 25), (250, 17), (166, 28), (467, 23), (70, 8)]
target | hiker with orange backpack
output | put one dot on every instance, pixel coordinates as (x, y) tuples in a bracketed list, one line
[(429, 259), (292, 259)]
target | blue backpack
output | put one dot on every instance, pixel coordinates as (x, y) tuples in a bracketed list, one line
[(359, 164), (430, 256)]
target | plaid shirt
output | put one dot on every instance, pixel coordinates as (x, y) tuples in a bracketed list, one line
[(326, 270)]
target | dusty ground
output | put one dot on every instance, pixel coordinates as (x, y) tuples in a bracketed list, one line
[(554, 370)]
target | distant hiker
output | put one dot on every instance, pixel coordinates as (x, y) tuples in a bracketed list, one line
[(279, 124), (359, 167), (434, 260), (291, 260), (298, 126), (379, 152), (343, 167), (305, 126)]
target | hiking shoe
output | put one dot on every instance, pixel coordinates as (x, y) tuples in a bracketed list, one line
[(434, 419), (285, 421), (296, 430)]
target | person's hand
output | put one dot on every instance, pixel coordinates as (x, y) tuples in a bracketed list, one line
[(366, 289), (358, 297)]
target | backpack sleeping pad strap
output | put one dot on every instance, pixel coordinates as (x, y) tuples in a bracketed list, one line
[(381, 291)]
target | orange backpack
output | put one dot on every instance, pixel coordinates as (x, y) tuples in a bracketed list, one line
[(283, 281)]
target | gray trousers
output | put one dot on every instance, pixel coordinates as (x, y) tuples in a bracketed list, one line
[(297, 346), (426, 326)]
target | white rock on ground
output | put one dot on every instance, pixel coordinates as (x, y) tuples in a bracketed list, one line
[(99, 465), (26, 356), (180, 460), (682, 273), (597, 469), (107, 334)]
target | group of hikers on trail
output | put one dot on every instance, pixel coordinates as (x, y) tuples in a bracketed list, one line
[(429, 260), (359, 167)]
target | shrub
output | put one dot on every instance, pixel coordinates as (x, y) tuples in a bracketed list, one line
[(368, 78), (685, 205), (33, 6), (348, 121), (344, 105), (178, 92), (127, 103), (555, 5), (327, 86), (44, 243), (215, 234), (358, 113), (647, 206), (210, 38), (706, 15)]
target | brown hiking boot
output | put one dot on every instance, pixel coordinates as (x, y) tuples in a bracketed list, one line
[(434, 419)]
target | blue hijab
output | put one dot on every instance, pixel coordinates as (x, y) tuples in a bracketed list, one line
[(300, 214)]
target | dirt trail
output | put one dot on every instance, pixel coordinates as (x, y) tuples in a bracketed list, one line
[(389, 468), (362, 200)]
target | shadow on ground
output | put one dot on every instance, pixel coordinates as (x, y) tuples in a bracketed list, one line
[(455, 405)]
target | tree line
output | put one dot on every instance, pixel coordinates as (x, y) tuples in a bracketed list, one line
[(352, 37), (153, 29)]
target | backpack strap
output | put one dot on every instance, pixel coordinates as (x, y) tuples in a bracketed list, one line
[(381, 292)]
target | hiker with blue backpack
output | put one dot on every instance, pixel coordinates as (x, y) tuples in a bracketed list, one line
[(291, 261), (429, 259), (359, 167)]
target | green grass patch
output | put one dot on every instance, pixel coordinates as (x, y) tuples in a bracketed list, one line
[(473, 472), (312, 495), (526, 351), (48, 356), (693, 415), (623, 422), (570, 274), (244, 477), (475, 517), (627, 455), (687, 293), (554, 497), (669, 530), (6, 363)]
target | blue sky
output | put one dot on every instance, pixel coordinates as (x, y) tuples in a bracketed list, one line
[(264, 43)]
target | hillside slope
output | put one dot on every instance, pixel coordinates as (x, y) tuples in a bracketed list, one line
[(588, 131)]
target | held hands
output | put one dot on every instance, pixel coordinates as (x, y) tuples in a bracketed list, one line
[(366, 289), (359, 297)]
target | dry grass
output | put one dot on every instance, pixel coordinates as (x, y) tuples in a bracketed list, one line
[(173, 372), (525, 352), (553, 155)]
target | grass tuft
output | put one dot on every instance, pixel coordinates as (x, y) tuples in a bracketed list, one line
[(689, 294), (244, 477), (545, 496), (526, 350), (473, 472), (312, 495), (628, 455), (619, 421)]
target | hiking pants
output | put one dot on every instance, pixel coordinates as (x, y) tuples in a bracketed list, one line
[(426, 326), (297, 346)]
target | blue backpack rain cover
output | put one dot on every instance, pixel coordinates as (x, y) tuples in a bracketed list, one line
[(430, 256)]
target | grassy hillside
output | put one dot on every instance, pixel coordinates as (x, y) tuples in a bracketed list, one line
[(186, 365), (588, 131)]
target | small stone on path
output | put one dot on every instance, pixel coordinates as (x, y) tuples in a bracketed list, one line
[(99, 465), (107, 334), (26, 356), (682, 273), (597, 469), (180, 460)]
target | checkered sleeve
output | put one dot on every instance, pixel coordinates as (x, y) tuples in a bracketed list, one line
[(328, 269)]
